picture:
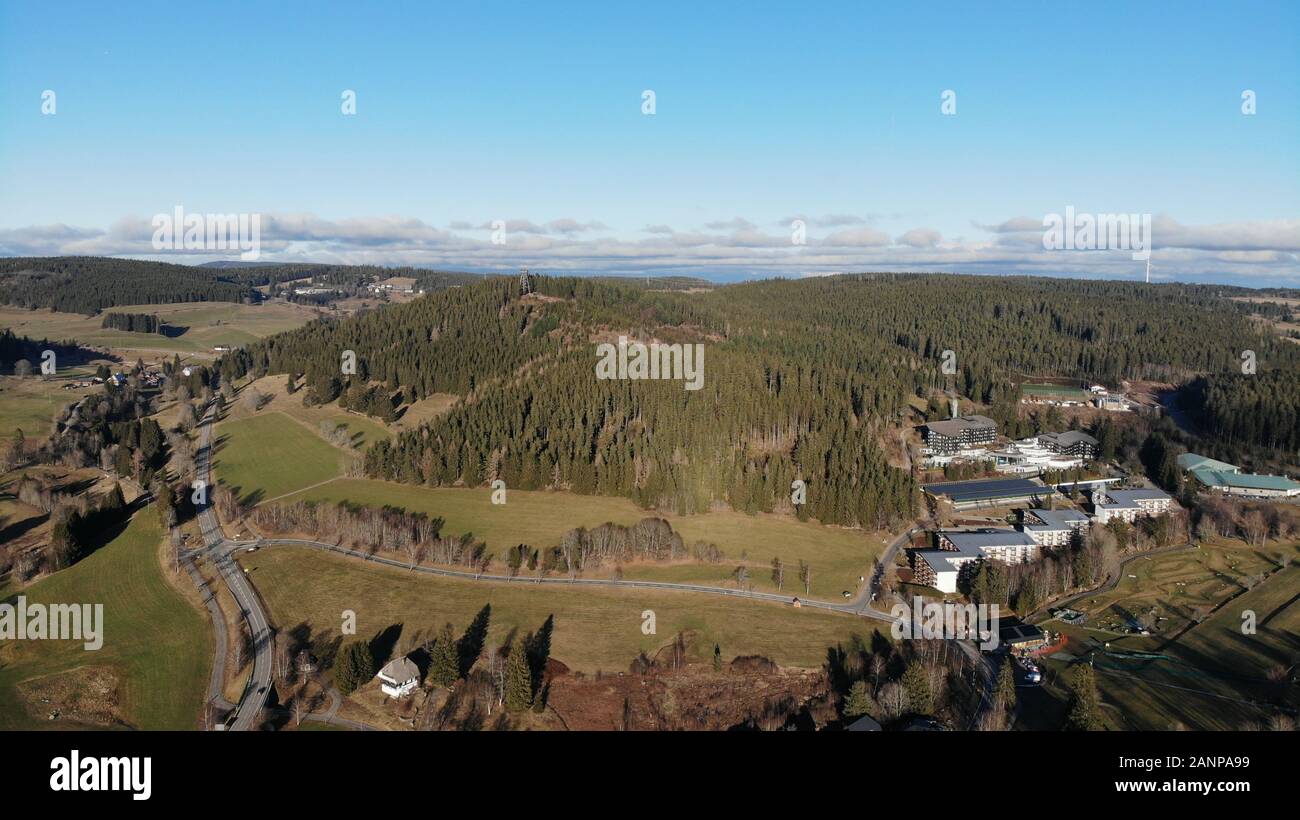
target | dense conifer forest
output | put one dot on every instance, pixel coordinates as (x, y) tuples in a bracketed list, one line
[(15, 349), (1259, 409), (804, 379), (133, 322), (84, 284)]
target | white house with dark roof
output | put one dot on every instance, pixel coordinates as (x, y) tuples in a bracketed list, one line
[(399, 677)]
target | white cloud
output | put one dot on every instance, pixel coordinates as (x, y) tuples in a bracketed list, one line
[(1258, 252), (920, 238)]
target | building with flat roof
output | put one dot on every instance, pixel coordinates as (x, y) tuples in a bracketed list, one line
[(1228, 479), (961, 433), (990, 492), (1129, 505), (960, 550), (1054, 528)]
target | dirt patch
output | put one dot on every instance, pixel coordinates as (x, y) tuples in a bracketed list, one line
[(88, 695), (694, 697)]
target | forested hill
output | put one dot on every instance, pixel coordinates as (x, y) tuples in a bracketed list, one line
[(802, 378), (88, 284)]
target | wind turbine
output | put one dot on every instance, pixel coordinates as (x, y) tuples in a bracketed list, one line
[(1148, 270)]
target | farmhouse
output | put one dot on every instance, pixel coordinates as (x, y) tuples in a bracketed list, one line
[(399, 677)]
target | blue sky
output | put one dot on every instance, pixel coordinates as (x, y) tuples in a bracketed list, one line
[(473, 112)]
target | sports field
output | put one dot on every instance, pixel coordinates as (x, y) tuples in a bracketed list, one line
[(1053, 391)]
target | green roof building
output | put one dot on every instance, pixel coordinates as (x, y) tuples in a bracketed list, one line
[(1222, 477)]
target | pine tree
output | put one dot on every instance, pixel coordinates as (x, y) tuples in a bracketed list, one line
[(1085, 712), (1006, 688), (916, 683), (519, 679), (354, 667), (444, 660), (114, 501), (858, 702)]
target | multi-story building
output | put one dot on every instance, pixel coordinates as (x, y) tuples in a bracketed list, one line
[(1054, 528), (1129, 505), (960, 551), (1028, 457), (1070, 443), (961, 433)]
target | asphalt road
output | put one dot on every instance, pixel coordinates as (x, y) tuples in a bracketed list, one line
[(219, 548)]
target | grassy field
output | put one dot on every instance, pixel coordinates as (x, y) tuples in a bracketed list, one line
[(362, 431), (1209, 672), (157, 646), (270, 454), (31, 403), (594, 629), (838, 556), (209, 324)]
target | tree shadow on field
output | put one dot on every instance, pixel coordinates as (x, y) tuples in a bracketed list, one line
[(251, 499), (382, 645), (13, 532), (470, 645)]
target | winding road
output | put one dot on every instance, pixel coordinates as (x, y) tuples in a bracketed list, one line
[(219, 548)]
